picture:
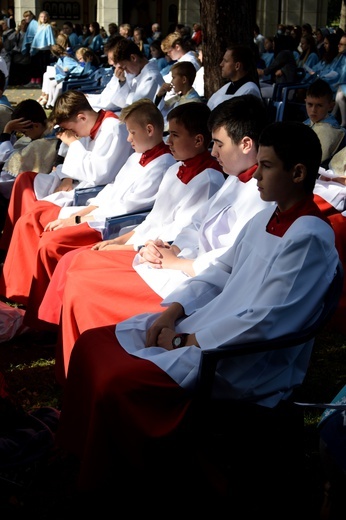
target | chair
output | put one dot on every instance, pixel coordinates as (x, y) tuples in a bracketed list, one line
[(81, 195), (241, 457), (121, 224), (94, 82), (284, 103), (114, 226)]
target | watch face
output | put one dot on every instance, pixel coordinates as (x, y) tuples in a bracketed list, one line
[(177, 341)]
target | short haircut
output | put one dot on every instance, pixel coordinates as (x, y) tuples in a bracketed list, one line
[(295, 143), (241, 116), (243, 54), (194, 117), (2, 81), (68, 105), (124, 49), (185, 68), (145, 111), (320, 88), (31, 110)]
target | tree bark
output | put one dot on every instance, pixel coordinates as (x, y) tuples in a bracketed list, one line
[(223, 22)]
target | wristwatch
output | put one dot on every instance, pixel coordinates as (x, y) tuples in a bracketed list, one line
[(179, 340)]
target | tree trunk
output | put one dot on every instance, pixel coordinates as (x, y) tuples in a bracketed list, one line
[(342, 23), (223, 22)]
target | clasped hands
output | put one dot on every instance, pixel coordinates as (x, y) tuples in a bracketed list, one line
[(158, 254)]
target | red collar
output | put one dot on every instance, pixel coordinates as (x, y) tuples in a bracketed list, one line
[(192, 167), (280, 222), (103, 114), (247, 175), (150, 155)]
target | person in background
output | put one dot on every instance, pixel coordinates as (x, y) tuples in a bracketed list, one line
[(319, 37), (125, 30), (157, 54), (319, 105), (67, 28), (95, 40), (140, 39), (40, 50), (113, 30), (183, 77), (31, 28), (308, 57), (84, 37), (178, 49), (197, 35), (238, 67), (258, 39), (20, 63), (156, 33)]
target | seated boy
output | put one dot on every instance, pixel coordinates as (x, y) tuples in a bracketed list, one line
[(185, 187), (35, 150), (136, 386), (41, 236), (183, 76), (94, 146), (319, 104)]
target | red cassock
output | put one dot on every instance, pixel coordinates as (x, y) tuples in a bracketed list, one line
[(338, 221), (107, 379), (98, 288), (22, 199)]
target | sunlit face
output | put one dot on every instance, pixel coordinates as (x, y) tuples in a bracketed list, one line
[(138, 136), (175, 52), (178, 82), (228, 65), (229, 155), (318, 108), (275, 184), (181, 143)]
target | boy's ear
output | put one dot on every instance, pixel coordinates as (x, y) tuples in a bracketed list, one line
[(299, 172), (150, 129), (199, 140)]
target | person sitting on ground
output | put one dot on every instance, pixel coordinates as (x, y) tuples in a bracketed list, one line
[(319, 104), (183, 76), (268, 284), (239, 68), (52, 231), (35, 150), (94, 147)]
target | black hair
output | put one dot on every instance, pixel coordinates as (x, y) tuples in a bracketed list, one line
[(320, 88), (295, 143), (30, 109), (194, 117), (241, 116)]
